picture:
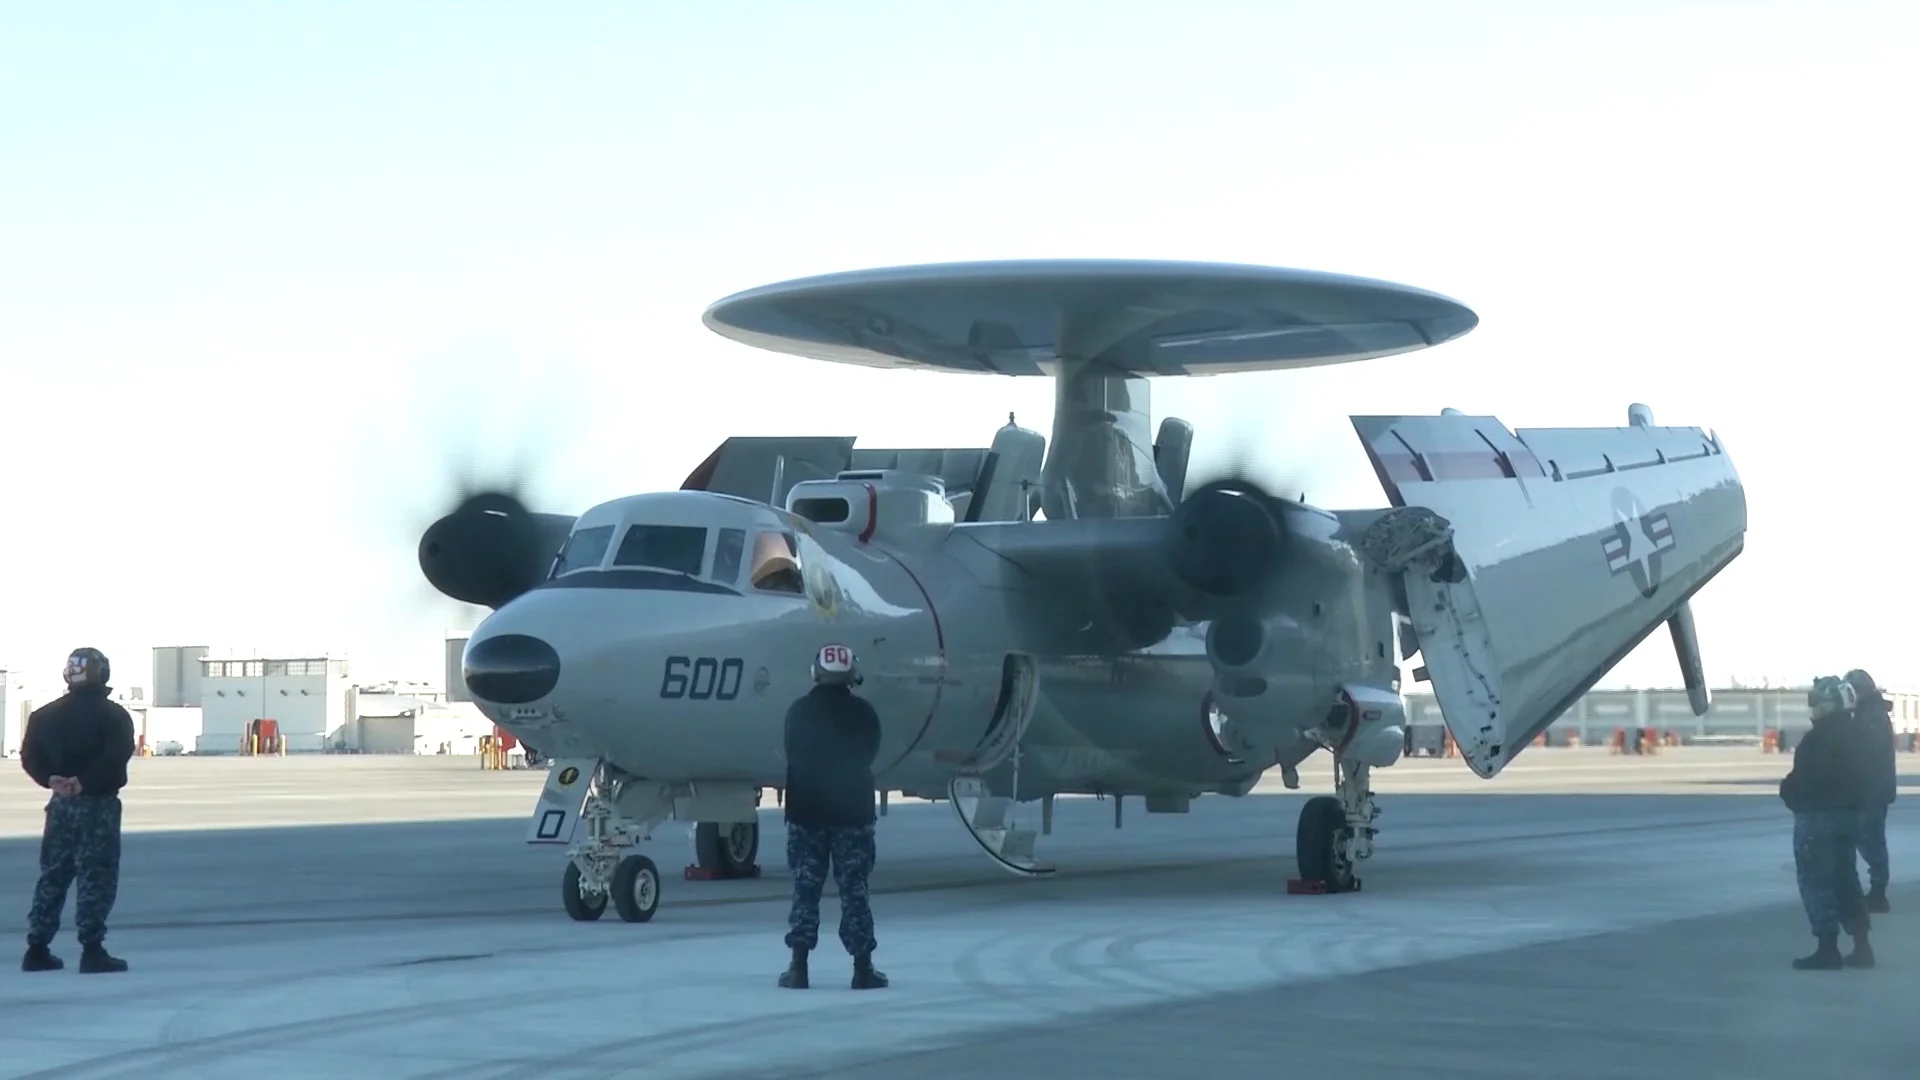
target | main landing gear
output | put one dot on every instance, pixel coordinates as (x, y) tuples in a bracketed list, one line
[(1336, 833), (725, 851)]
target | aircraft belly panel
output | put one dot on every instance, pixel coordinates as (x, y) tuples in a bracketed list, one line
[(1131, 723)]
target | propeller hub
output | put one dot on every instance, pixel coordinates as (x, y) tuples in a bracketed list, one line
[(488, 551), (1226, 539)]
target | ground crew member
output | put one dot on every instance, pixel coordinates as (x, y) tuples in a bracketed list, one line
[(831, 740), (1876, 730), (1825, 791), (78, 747)]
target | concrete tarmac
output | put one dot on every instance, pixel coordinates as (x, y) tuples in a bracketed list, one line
[(1582, 915)]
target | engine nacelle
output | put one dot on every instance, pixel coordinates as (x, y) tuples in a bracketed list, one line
[(1225, 540), (1247, 651), (1368, 725), (491, 550)]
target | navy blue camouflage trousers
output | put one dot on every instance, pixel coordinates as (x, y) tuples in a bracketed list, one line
[(80, 845), (1873, 844), (848, 852), (1823, 863)]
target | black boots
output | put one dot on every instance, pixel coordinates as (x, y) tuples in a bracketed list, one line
[(865, 977), (1825, 958), (1877, 900), (1862, 954), (795, 977), (95, 960), (40, 958)]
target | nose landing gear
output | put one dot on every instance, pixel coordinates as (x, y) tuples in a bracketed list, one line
[(617, 813)]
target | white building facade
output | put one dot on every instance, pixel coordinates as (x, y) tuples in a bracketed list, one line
[(390, 723), (1736, 714), (306, 696), (13, 713), (177, 670)]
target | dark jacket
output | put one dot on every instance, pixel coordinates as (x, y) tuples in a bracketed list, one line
[(832, 738), (85, 735), (1876, 731), (1831, 769)]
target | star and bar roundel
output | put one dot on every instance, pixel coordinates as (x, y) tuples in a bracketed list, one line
[(1638, 540)]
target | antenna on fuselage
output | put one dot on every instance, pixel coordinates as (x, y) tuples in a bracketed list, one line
[(779, 474)]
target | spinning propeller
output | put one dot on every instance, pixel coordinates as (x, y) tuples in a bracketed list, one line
[(498, 425), (1228, 538), (489, 547), (1222, 551)]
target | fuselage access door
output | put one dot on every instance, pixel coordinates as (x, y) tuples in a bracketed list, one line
[(988, 811)]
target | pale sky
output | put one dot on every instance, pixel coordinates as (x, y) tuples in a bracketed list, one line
[(266, 271)]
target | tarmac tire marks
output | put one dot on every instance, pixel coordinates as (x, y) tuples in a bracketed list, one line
[(654, 1051), (995, 882)]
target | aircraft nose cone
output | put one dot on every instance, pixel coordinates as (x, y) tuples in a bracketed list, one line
[(511, 669)]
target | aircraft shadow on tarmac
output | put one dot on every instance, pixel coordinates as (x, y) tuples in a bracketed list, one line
[(481, 868)]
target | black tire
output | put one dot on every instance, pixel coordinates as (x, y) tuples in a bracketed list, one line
[(580, 907), (1316, 845), (728, 848), (636, 889)]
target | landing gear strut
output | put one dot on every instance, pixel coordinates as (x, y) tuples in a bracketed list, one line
[(617, 814), (1336, 833)]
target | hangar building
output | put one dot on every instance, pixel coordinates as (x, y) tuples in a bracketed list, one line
[(307, 696), (1737, 714), (13, 712)]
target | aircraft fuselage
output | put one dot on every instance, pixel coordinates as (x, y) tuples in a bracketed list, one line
[(679, 679)]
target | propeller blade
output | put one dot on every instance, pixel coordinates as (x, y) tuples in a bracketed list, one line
[(1228, 538)]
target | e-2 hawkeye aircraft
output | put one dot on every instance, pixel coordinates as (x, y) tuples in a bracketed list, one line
[(1151, 636)]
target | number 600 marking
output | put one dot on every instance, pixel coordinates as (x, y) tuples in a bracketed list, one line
[(702, 678)]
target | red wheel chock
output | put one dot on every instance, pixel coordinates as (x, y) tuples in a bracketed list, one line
[(707, 873)]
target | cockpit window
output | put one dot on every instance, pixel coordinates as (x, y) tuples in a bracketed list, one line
[(727, 554), (585, 550), (776, 563), (680, 548)]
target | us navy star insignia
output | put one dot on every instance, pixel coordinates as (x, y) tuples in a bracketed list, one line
[(1638, 540)]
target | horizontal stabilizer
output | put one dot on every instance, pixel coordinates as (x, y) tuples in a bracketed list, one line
[(1536, 560)]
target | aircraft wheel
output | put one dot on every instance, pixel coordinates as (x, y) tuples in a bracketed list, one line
[(1320, 845), (636, 888), (581, 906), (729, 848)]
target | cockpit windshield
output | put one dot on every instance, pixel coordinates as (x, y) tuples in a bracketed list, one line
[(679, 548), (585, 550), (680, 553)]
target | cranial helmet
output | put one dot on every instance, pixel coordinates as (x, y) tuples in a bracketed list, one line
[(1863, 685), (834, 665), (1831, 696), (87, 667)]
